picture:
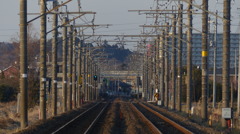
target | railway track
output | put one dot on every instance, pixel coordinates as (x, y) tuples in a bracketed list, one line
[(83, 123), (157, 122)]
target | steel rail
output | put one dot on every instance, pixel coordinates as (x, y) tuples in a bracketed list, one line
[(152, 127), (75, 118), (173, 123), (96, 119)]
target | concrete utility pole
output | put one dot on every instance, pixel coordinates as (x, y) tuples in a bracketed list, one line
[(204, 58), (235, 71), (189, 59), (70, 57), (179, 66), (98, 71), (74, 63), (64, 65), (231, 87), (23, 65), (90, 78), (238, 97), (84, 74), (92, 81), (79, 73), (87, 76), (89, 68), (157, 64), (166, 79), (95, 82), (226, 56), (154, 68), (214, 62), (54, 61), (151, 82), (150, 75), (146, 78), (162, 42), (43, 67), (173, 62)]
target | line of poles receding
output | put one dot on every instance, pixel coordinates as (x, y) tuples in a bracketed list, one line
[(156, 75), (78, 64)]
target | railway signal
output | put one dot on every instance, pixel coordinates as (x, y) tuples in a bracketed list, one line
[(95, 77)]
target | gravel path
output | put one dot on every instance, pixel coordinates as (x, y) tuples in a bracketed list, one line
[(120, 119)]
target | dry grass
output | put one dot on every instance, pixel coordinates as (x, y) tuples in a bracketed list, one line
[(10, 119), (109, 121), (133, 123)]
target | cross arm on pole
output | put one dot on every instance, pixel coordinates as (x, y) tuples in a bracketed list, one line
[(50, 11)]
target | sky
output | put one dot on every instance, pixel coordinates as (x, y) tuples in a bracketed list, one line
[(113, 12)]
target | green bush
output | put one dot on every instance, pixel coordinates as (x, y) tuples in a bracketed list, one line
[(7, 93)]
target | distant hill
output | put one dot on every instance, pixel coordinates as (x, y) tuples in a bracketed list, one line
[(10, 53), (115, 51)]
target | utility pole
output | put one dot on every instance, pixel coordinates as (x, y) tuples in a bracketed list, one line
[(238, 98), (92, 81), (138, 79), (43, 67), (23, 65), (214, 62), (90, 64), (144, 85), (64, 65), (54, 60), (74, 69), (150, 75), (155, 77), (162, 42), (79, 73), (95, 82), (98, 81), (158, 65), (146, 77), (166, 65), (235, 70), (179, 66), (173, 61), (70, 57), (84, 74), (87, 76), (226, 56), (189, 59), (204, 58), (90, 78)]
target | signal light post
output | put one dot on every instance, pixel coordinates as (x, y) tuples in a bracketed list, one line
[(95, 78)]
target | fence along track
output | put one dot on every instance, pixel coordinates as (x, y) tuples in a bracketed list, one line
[(174, 124)]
